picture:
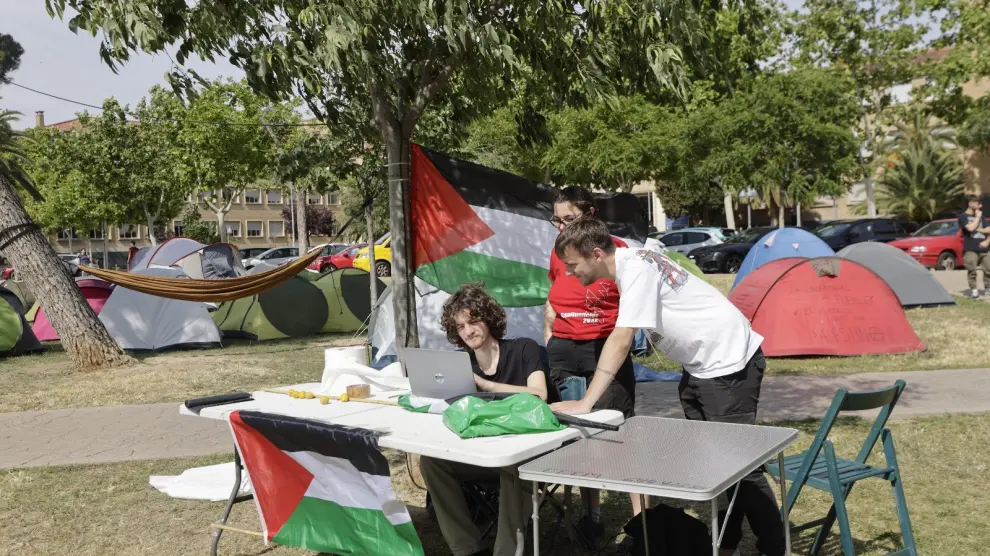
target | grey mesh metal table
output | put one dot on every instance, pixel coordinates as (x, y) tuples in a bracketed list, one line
[(668, 458)]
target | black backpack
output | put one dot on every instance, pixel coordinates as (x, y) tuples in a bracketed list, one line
[(671, 533)]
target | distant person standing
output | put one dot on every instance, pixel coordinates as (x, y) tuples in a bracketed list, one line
[(131, 252), (976, 251)]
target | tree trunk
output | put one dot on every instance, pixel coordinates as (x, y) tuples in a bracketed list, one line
[(106, 253), (151, 227), (871, 204), (403, 285), (83, 336), (797, 212), (730, 215), (369, 221), (221, 229), (780, 215), (301, 232)]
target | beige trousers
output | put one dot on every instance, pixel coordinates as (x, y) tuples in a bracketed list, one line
[(444, 480), (973, 261)]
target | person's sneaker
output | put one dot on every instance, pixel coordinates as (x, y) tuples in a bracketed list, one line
[(590, 531), (975, 294)]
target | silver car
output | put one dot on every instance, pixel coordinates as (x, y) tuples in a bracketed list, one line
[(685, 241), (276, 256)]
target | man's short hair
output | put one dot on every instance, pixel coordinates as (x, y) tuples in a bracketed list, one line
[(577, 196), (584, 235), (481, 306), (970, 198)]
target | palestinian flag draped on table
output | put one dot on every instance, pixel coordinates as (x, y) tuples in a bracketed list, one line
[(472, 223), (322, 487)]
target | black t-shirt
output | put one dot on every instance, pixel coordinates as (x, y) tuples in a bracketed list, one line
[(972, 240), (517, 359)]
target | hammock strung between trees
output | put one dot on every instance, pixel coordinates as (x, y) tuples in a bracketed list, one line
[(191, 289)]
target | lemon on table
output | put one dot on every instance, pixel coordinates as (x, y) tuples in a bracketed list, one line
[(344, 397), (309, 395), (324, 400)]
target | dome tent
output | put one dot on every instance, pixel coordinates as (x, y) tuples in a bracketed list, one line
[(16, 337), (95, 291), (307, 304), (782, 244), (913, 284), (143, 322), (824, 306)]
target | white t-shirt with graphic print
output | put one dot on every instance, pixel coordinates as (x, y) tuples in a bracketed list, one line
[(687, 319)]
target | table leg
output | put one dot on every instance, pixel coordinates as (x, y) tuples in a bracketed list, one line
[(230, 502), (783, 504), (646, 536), (536, 518), (715, 534)]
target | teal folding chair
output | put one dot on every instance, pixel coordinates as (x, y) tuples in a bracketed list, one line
[(820, 468)]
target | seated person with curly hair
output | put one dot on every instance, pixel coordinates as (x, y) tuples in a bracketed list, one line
[(476, 322)]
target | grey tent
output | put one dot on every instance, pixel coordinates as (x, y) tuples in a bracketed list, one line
[(221, 260), (913, 284)]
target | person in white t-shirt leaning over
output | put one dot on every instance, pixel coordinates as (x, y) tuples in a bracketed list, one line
[(693, 324)]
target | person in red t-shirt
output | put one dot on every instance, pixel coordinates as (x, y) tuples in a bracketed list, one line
[(577, 321)]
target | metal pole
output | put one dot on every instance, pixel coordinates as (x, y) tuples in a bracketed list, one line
[(646, 536), (536, 518), (783, 505), (749, 214), (292, 216), (715, 526)]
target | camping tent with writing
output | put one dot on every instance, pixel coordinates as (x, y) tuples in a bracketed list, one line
[(824, 306)]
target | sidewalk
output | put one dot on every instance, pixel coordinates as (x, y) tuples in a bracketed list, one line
[(139, 432)]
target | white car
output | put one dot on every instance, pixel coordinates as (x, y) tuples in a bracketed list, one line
[(275, 256), (685, 241)]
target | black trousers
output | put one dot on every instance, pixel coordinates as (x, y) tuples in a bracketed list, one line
[(733, 399), (579, 358)]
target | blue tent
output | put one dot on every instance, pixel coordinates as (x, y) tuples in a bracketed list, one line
[(781, 244)]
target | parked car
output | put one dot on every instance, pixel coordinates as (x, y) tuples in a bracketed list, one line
[(383, 257), (938, 245), (342, 258), (70, 261), (275, 256), (841, 233), (685, 241), (728, 255), (251, 252)]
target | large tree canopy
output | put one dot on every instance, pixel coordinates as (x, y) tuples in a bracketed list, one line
[(399, 56)]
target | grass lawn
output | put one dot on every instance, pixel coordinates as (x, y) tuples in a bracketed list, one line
[(110, 509), (47, 381), (957, 338)]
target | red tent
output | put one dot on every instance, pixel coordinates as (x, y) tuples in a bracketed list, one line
[(96, 293), (824, 306)]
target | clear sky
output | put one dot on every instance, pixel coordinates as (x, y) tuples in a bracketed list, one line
[(62, 63), (59, 62)]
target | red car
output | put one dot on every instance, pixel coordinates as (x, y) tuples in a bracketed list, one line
[(938, 245), (341, 259)]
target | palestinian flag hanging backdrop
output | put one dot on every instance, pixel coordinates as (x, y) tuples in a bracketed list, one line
[(322, 487), (472, 223)]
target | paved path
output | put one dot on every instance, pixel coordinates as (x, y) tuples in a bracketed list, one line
[(120, 433)]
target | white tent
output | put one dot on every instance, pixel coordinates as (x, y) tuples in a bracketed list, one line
[(143, 322)]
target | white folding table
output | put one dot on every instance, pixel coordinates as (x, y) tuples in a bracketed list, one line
[(668, 458), (415, 433)]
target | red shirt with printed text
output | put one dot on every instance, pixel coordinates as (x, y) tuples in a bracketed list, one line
[(583, 313)]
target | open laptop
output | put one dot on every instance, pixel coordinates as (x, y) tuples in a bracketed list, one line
[(437, 374)]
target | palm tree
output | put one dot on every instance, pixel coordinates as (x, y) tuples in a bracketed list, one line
[(922, 173), (12, 156), (83, 336)]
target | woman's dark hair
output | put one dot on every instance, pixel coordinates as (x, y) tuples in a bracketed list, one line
[(577, 196), (481, 306)]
